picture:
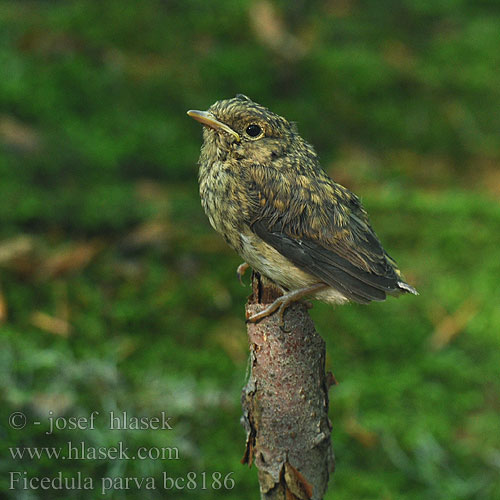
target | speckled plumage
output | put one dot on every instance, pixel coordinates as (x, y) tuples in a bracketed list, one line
[(269, 198)]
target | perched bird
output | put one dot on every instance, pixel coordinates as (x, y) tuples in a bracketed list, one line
[(264, 191)]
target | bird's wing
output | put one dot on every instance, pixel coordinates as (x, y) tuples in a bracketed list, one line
[(322, 228)]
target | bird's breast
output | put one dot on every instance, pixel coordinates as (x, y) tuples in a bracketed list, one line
[(224, 201)]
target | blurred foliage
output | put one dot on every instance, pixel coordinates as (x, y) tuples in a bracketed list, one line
[(115, 294)]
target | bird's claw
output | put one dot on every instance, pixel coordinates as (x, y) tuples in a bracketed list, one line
[(240, 271), (281, 303)]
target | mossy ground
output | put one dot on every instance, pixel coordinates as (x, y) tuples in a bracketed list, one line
[(116, 295)]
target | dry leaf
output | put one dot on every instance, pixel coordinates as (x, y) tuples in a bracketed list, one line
[(15, 248), (451, 325), (58, 402), (148, 190), (18, 135), (50, 324), (150, 234), (3, 308), (270, 29), (71, 259), (367, 438), (19, 254)]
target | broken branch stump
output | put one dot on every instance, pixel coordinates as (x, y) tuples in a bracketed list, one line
[(285, 401)]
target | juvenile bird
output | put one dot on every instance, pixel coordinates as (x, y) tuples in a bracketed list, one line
[(264, 191)]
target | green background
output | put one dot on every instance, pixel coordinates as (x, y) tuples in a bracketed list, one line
[(116, 295)]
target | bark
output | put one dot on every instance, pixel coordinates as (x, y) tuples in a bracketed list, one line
[(285, 402)]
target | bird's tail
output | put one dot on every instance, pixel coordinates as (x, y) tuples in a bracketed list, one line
[(406, 287)]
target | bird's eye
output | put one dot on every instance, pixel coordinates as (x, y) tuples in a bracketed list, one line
[(253, 130)]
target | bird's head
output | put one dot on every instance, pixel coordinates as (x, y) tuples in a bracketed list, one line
[(242, 129)]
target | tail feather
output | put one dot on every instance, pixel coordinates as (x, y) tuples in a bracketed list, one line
[(406, 287)]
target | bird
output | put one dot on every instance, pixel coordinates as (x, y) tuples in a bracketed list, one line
[(264, 190)]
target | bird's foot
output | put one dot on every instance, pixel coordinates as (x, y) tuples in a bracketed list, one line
[(281, 303), (240, 271)]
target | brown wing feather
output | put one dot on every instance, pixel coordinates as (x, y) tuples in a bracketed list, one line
[(323, 229)]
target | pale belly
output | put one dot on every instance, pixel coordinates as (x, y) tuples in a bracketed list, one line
[(269, 262)]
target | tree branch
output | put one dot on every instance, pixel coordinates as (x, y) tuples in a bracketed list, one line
[(285, 401)]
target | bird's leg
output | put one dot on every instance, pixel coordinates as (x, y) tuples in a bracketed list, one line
[(281, 303), (240, 271)]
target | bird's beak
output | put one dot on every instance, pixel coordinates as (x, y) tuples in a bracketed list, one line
[(206, 118)]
